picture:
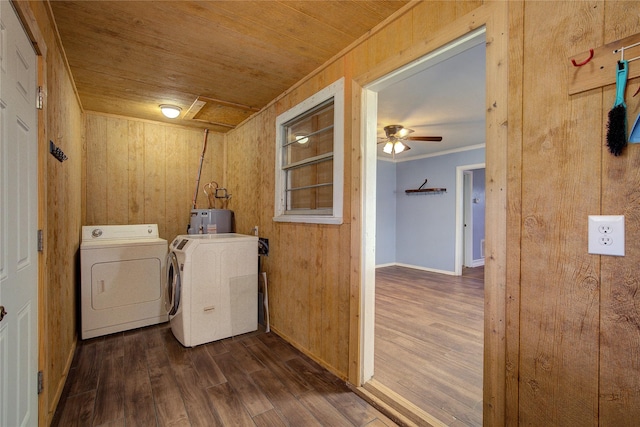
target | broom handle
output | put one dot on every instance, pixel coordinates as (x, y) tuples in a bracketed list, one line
[(204, 147), (621, 82)]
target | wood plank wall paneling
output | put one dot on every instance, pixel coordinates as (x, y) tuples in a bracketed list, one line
[(576, 340), (117, 154), (559, 285), (176, 180), (244, 176), (145, 172), (514, 216), (619, 380), (136, 173), (497, 189), (155, 166)]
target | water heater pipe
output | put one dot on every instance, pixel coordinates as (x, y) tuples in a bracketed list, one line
[(204, 147)]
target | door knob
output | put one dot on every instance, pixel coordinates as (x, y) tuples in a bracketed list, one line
[(2, 312)]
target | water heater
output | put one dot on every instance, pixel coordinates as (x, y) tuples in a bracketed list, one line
[(212, 221)]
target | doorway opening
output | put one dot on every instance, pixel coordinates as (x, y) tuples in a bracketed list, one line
[(470, 215), (453, 264)]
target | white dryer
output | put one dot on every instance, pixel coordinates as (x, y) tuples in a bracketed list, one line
[(212, 287), (122, 278)]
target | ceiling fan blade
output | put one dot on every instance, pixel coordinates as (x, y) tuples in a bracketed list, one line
[(424, 138)]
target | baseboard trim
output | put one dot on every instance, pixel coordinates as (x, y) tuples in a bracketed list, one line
[(417, 267), (477, 262)]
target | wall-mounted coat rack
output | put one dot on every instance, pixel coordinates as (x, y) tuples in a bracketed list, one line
[(597, 67), (57, 152), (426, 190)]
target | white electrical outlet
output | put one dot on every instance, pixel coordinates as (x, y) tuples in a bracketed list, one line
[(606, 234)]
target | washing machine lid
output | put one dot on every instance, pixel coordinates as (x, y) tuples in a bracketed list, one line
[(98, 236)]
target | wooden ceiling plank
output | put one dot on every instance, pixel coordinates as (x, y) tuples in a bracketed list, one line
[(333, 15), (239, 52), (121, 21), (295, 27), (126, 47), (179, 72), (225, 50)]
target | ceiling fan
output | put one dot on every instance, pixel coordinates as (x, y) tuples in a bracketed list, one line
[(396, 134)]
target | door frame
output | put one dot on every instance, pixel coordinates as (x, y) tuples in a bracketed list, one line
[(463, 198), (493, 16), (370, 112), (467, 219)]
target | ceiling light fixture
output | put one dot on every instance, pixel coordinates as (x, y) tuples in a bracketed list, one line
[(394, 147), (302, 139), (170, 111)]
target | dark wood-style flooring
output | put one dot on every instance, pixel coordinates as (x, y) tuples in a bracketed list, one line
[(429, 340), (146, 378)]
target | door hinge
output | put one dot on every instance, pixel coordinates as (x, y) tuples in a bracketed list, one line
[(40, 241), (40, 99), (40, 382)]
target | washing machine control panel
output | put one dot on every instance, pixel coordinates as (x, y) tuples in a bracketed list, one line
[(179, 243)]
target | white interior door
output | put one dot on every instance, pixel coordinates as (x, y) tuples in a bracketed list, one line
[(18, 224)]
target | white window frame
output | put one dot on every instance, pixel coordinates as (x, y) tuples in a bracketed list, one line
[(335, 91)]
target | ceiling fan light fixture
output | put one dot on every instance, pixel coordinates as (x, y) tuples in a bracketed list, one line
[(403, 132), (388, 147), (396, 131), (399, 147), (170, 111)]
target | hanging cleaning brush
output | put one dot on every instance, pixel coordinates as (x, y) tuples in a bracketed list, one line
[(617, 126)]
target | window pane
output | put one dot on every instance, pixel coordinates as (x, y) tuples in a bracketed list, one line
[(317, 173), (309, 136), (309, 147), (311, 198), (310, 187)]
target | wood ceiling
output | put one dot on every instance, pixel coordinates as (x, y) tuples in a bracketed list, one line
[(220, 61)]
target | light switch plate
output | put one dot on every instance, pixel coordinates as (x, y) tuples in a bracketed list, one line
[(606, 235)]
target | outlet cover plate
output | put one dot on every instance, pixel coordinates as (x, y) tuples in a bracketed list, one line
[(606, 235)]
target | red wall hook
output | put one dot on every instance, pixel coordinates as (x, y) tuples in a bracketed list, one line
[(580, 64)]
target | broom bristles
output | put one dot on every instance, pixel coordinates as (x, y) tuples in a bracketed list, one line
[(617, 130)]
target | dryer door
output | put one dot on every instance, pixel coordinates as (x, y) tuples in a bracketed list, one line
[(174, 284)]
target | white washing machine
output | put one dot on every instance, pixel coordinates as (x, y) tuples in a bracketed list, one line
[(212, 287), (122, 278)]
